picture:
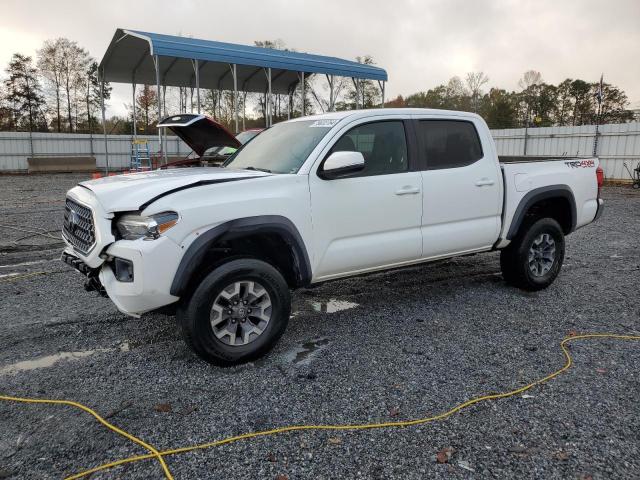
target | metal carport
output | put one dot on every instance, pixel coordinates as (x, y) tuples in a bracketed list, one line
[(137, 57)]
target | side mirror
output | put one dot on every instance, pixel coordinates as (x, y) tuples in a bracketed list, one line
[(340, 164)]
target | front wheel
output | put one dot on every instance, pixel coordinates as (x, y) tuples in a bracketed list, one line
[(534, 258), (237, 313)]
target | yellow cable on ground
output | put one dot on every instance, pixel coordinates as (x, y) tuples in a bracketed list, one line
[(159, 455), (154, 452), (366, 426)]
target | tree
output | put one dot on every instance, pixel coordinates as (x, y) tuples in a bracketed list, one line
[(6, 115), (499, 109), (92, 93), (615, 104), (583, 102), (475, 81), (146, 103), (397, 102), (330, 101), (367, 95), (538, 105), (74, 63), (50, 66), (564, 104), (24, 95), (537, 100), (452, 96), (529, 78)]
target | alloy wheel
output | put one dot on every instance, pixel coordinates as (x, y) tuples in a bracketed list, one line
[(241, 312)]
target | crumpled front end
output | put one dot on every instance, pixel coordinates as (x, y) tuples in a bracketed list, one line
[(135, 274)]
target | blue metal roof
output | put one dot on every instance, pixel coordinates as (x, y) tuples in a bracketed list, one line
[(130, 53)]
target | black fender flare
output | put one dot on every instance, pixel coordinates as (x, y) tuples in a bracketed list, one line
[(536, 195), (238, 228)]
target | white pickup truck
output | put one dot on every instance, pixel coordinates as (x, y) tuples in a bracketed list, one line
[(316, 199)]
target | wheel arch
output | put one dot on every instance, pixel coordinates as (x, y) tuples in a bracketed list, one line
[(236, 230), (559, 196)]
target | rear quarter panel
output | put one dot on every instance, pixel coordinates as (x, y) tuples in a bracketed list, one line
[(578, 175)]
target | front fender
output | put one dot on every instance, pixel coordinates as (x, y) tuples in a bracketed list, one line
[(237, 228)]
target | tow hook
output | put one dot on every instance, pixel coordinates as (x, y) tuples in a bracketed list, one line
[(92, 284)]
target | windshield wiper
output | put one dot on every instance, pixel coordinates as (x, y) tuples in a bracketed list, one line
[(266, 170)]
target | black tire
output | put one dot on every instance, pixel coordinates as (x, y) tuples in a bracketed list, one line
[(194, 314), (514, 260)]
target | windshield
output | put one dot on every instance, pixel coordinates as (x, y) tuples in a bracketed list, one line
[(282, 148), (244, 137)]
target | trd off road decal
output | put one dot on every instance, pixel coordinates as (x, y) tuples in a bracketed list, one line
[(581, 163)]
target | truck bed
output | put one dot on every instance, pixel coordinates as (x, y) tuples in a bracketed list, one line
[(524, 176), (531, 158)]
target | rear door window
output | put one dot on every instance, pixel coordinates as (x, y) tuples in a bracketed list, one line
[(448, 143)]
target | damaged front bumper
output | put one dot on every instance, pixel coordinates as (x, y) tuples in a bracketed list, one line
[(92, 283), (135, 274)]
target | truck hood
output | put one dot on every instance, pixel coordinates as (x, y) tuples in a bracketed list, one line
[(135, 191), (199, 132)]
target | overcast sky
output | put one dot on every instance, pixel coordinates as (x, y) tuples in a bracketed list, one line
[(421, 43)]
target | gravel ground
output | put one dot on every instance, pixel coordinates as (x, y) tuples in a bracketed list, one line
[(390, 346)]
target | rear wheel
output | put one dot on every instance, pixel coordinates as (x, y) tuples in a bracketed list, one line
[(534, 258), (237, 313)]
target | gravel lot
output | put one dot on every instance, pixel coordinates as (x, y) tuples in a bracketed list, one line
[(386, 347)]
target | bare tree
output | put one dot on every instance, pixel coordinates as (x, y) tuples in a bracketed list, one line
[(456, 88), (93, 92), (475, 82), (530, 78), (50, 66), (74, 62), (146, 101), (340, 85)]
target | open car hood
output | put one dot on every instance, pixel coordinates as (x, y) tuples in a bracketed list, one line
[(200, 132)]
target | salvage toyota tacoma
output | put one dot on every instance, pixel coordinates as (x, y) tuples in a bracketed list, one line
[(316, 199)]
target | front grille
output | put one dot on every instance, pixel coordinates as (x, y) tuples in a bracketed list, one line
[(78, 226)]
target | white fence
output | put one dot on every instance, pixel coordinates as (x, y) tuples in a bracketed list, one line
[(617, 143), (16, 147)]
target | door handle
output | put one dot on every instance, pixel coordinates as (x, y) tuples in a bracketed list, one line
[(484, 181), (408, 190)]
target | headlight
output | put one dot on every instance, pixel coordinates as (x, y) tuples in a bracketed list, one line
[(132, 226)]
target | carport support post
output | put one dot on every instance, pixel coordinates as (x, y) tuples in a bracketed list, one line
[(104, 124), (270, 99), (196, 68), (382, 92), (156, 61), (133, 97), (302, 84)]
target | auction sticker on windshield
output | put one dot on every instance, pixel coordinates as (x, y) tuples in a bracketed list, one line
[(324, 123)]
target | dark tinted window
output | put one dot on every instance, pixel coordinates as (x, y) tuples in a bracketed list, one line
[(448, 143), (382, 144)]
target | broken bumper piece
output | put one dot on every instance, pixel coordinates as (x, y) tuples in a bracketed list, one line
[(92, 284)]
